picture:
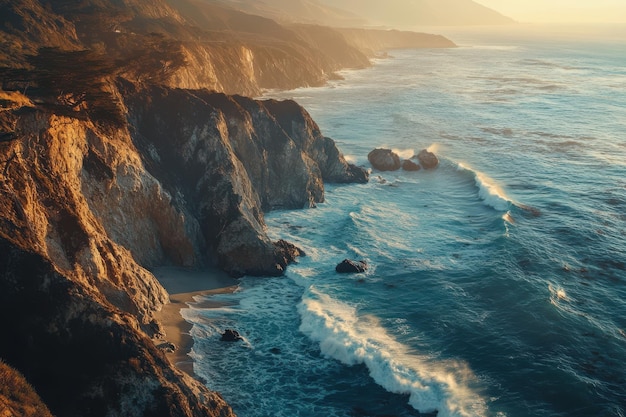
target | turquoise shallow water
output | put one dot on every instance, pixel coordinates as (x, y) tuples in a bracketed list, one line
[(497, 284)]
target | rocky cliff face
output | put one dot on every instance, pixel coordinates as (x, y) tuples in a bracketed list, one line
[(85, 357), (229, 158), (86, 206), (196, 44)]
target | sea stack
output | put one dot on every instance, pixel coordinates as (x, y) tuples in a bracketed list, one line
[(428, 160), (384, 160)]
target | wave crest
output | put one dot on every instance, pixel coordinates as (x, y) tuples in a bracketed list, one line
[(432, 385), (488, 190)]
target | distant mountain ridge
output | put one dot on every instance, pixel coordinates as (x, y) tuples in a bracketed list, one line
[(299, 11), (423, 12), (361, 13)]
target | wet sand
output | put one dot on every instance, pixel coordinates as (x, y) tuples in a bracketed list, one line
[(183, 285)]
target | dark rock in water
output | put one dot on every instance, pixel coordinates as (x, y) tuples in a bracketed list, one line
[(334, 167), (287, 252), (409, 165), (428, 160), (384, 160), (348, 266), (230, 335), (275, 351), (356, 175)]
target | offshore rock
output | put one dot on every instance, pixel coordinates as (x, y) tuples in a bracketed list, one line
[(230, 335), (348, 266), (428, 160), (384, 160), (409, 165)]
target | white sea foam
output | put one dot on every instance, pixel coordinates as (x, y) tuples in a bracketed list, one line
[(405, 153), (343, 334)]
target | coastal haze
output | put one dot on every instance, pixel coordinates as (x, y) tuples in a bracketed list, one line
[(180, 171)]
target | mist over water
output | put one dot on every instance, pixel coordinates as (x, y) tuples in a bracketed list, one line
[(497, 282)]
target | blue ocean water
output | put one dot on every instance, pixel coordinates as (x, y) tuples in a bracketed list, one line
[(497, 282)]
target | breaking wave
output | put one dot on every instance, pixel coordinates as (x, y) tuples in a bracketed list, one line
[(432, 385)]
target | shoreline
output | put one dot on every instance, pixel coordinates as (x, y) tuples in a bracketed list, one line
[(182, 286)]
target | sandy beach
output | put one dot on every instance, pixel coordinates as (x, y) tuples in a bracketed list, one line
[(182, 285)]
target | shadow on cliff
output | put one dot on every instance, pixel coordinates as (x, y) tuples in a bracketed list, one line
[(227, 159)]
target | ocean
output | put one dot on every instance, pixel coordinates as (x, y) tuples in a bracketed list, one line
[(497, 282)]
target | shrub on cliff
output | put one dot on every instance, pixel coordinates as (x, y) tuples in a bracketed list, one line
[(154, 61), (17, 396), (73, 83)]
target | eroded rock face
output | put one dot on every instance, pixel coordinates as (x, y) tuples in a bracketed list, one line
[(231, 158), (49, 203), (83, 354)]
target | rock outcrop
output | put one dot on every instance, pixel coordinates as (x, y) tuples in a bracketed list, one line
[(229, 159), (384, 160), (388, 160), (428, 160), (348, 266), (409, 165), (231, 335)]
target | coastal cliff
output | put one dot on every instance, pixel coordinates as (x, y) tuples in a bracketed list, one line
[(197, 44), (87, 206), (122, 149)]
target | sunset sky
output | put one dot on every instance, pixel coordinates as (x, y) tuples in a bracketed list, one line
[(561, 11)]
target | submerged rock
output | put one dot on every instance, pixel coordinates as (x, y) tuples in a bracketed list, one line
[(348, 266), (428, 160), (384, 160), (230, 335)]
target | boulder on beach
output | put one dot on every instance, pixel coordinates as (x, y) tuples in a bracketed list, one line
[(384, 160), (230, 335), (409, 165), (348, 266), (428, 160)]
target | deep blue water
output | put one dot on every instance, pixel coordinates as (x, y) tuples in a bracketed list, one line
[(497, 284)]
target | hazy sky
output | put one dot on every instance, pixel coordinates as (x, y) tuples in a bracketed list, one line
[(562, 11)]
